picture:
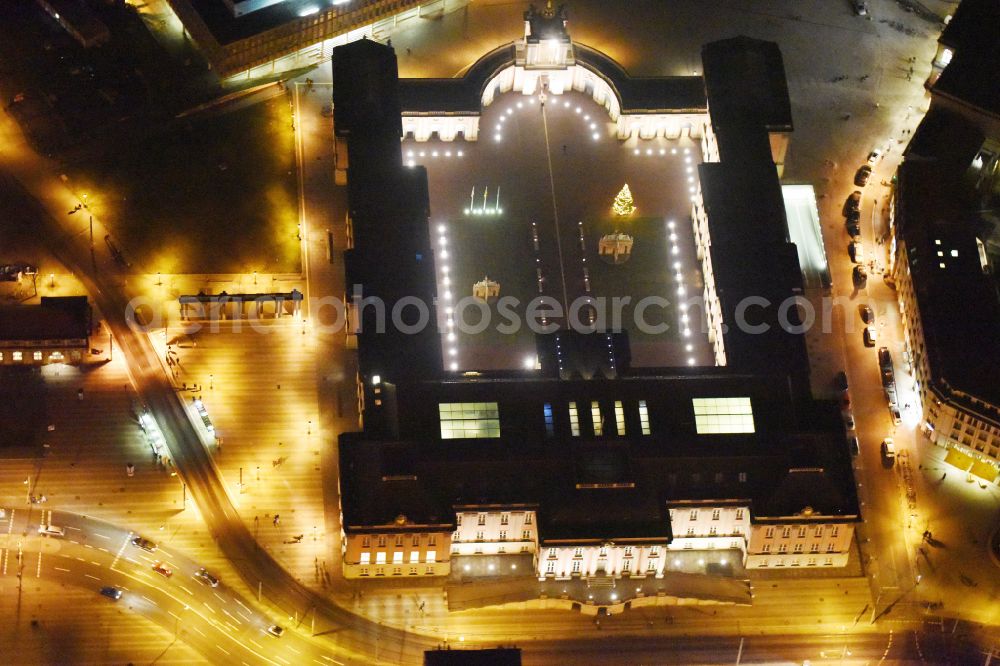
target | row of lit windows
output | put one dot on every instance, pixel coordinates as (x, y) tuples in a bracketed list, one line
[(813, 548), (810, 562), (481, 536), (37, 356), (786, 532), (397, 557), (716, 514), (366, 541), (481, 519), (397, 571), (597, 419)]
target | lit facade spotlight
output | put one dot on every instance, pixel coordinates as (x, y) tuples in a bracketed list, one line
[(411, 163), (454, 366), (423, 153), (596, 136), (566, 104), (496, 137), (447, 153), (460, 153), (688, 347), (673, 151), (649, 151), (529, 363), (444, 254), (663, 151), (690, 361), (519, 105), (434, 154)]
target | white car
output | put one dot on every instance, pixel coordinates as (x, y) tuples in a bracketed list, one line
[(875, 156), (276, 631)]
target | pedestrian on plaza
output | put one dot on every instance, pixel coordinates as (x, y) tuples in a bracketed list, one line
[(276, 519)]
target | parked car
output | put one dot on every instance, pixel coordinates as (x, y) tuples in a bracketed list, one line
[(163, 570), (853, 202), (856, 251), (852, 444), (888, 451), (841, 381), (854, 231), (112, 593), (869, 336), (852, 217), (860, 8), (875, 156), (144, 544), (867, 316), (207, 577), (860, 277), (884, 359), (897, 418), (276, 631), (862, 175)]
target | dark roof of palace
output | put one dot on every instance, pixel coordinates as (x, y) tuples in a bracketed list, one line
[(55, 318)]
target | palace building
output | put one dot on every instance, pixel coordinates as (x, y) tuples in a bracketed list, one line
[(585, 478)]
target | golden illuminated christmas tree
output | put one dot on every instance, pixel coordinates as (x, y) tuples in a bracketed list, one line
[(623, 206)]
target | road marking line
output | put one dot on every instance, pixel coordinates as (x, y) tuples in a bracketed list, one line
[(6, 552), (60, 569), (283, 660), (244, 616), (103, 536), (218, 597), (76, 542), (175, 615), (166, 555), (38, 568), (69, 527), (89, 576), (119, 554), (224, 650), (294, 650), (231, 627), (331, 659), (255, 643), (198, 630), (86, 545), (96, 564), (103, 549), (186, 590), (209, 607), (149, 600), (230, 615), (81, 559), (244, 606)]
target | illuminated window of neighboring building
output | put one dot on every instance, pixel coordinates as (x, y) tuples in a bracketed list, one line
[(626, 565), (503, 535), (595, 415), (620, 418), (834, 530), (654, 551), (716, 514), (380, 558), (550, 423), (37, 356), (576, 566), (651, 565), (366, 558), (945, 58), (739, 514), (722, 416), (17, 356), (504, 518), (525, 534), (527, 518), (414, 556), (644, 417), (550, 567), (574, 420), (482, 519), (469, 420), (552, 552), (381, 542), (397, 557), (366, 542), (399, 540), (429, 558)]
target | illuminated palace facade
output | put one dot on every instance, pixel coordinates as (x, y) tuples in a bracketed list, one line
[(584, 470)]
